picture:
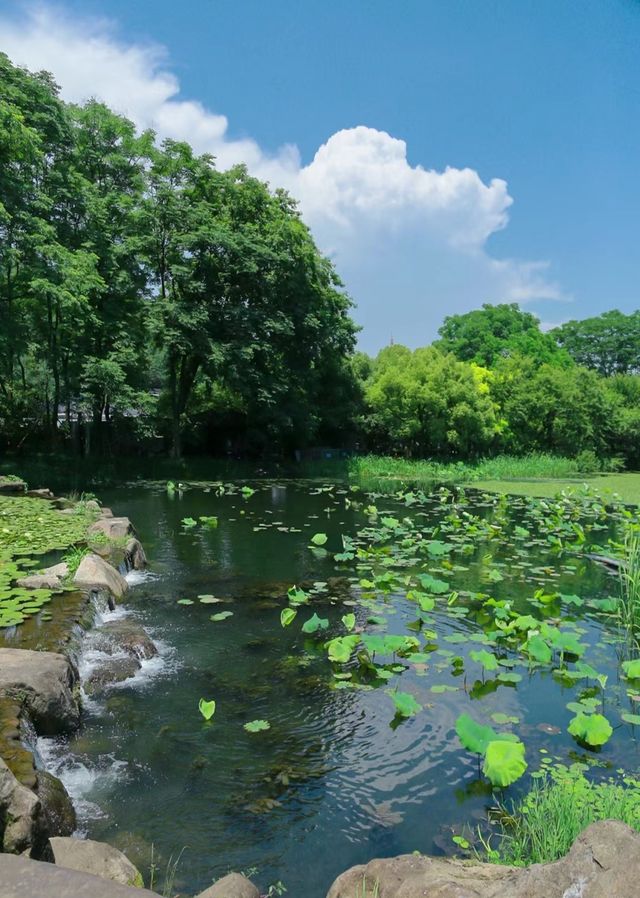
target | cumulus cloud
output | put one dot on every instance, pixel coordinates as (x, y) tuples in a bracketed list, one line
[(409, 242)]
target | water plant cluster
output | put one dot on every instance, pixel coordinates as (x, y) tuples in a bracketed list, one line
[(497, 642), (28, 528)]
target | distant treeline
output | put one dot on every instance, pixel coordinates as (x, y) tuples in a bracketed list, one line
[(149, 302)]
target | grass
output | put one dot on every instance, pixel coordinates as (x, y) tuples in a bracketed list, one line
[(543, 825), (626, 486), (629, 601)]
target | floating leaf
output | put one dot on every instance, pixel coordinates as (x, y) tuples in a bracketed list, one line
[(287, 615), (340, 648), (592, 729), (314, 624), (349, 621), (631, 718), (486, 659), (189, 522), (185, 602), (504, 762), (256, 726), (406, 705), (221, 615), (319, 539), (632, 669), (207, 709)]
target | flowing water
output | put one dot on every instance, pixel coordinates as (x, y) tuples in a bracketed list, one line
[(336, 780)]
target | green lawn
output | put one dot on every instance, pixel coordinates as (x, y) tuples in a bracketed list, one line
[(627, 486)]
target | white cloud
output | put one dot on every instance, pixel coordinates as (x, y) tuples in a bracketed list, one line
[(409, 242)]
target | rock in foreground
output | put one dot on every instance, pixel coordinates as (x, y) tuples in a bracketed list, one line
[(96, 858), (96, 574), (43, 683), (22, 878), (604, 862)]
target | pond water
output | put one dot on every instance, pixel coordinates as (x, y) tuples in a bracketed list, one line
[(337, 778)]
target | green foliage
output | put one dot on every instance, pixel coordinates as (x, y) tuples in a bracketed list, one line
[(429, 403), (592, 729), (405, 704), (129, 266), (628, 604), (608, 343), (562, 802), (207, 708), (486, 335), (257, 726), (504, 762)]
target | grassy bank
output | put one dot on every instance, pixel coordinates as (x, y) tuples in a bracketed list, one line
[(626, 486)]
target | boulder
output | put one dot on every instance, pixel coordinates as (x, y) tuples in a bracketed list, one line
[(22, 822), (112, 528), (125, 635), (96, 858), (57, 807), (135, 555), (113, 670), (43, 683), (12, 486), (604, 861), (23, 878), (49, 578), (96, 574), (234, 885), (40, 494)]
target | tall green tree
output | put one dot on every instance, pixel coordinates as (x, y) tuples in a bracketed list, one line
[(494, 332), (608, 343)]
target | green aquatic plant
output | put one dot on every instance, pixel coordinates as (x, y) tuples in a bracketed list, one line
[(188, 523), (287, 616), (591, 729), (349, 621), (221, 615), (542, 826), (73, 557), (319, 539), (504, 762), (628, 604), (207, 708), (504, 754), (314, 624), (257, 726), (405, 704), (247, 492), (210, 521)]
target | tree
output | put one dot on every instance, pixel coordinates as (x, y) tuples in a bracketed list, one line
[(608, 343), (427, 403), (553, 409), (493, 332)]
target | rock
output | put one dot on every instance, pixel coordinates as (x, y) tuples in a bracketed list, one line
[(96, 858), (96, 574), (40, 494), (22, 822), (234, 885), (114, 670), (49, 578), (12, 486), (125, 635), (43, 683), (112, 528), (135, 555), (58, 810), (106, 512), (604, 861), (23, 878), (92, 505)]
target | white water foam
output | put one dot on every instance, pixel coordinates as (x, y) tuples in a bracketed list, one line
[(79, 776), (135, 578)]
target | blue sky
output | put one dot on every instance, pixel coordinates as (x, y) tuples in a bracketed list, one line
[(541, 94)]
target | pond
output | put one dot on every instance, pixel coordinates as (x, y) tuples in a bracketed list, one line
[(339, 777)]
